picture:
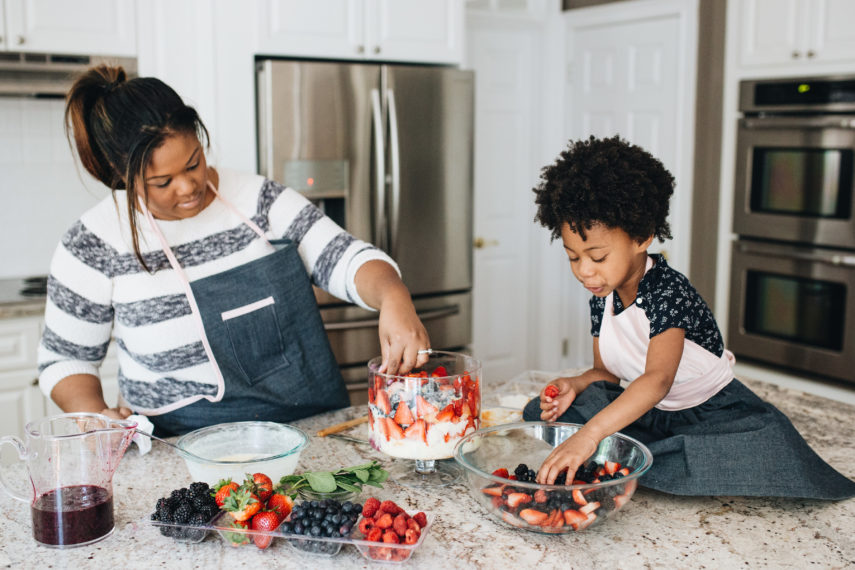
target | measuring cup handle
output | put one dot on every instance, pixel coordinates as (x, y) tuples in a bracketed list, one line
[(22, 452)]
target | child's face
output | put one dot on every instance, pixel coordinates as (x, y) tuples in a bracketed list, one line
[(607, 260)]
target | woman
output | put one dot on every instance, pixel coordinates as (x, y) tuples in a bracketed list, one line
[(202, 276)]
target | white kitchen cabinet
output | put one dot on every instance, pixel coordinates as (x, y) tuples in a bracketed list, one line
[(429, 31), (796, 33), (20, 398), (87, 27)]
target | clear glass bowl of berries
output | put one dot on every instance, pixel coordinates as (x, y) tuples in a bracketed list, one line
[(501, 463), (420, 416)]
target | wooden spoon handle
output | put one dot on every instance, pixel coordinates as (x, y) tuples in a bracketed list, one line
[(342, 426)]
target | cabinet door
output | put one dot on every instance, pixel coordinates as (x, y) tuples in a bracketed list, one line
[(312, 28), (4, 37), (772, 32), (415, 30), (90, 27), (832, 33), (21, 401)]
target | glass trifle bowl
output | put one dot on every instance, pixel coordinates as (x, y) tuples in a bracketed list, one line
[(421, 415)]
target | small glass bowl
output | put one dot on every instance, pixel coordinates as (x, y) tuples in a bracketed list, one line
[(552, 509), (308, 494)]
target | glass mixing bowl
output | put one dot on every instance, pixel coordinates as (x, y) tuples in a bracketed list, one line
[(548, 508)]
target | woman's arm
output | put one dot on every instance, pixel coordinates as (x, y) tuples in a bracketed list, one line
[(402, 334), (663, 358), (83, 393)]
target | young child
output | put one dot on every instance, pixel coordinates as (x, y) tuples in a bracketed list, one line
[(709, 434)]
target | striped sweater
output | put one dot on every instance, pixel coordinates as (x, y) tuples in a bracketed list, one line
[(97, 289)]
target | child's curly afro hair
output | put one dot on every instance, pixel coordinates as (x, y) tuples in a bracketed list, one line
[(605, 181)]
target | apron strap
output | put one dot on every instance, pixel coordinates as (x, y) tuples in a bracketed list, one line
[(188, 291)]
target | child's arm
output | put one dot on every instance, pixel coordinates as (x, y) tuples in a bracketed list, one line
[(663, 358), (570, 387)]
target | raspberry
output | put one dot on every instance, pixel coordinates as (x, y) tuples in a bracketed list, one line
[(551, 391), (365, 525), (421, 518), (411, 536), (385, 521), (390, 507), (390, 537), (375, 535), (370, 507), (413, 525), (400, 524)]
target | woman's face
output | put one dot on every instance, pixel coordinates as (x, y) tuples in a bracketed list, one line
[(176, 178), (607, 260)]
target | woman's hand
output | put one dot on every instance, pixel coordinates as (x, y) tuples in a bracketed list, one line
[(402, 334), (119, 413), (568, 456), (553, 406)]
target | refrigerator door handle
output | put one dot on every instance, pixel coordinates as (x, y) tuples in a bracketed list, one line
[(395, 154), (380, 167), (364, 323)]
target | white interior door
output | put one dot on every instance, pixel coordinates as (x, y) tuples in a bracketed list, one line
[(631, 71), (505, 173)]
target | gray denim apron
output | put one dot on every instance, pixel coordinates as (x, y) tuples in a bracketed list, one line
[(266, 335)]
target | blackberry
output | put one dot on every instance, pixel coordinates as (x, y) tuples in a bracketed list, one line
[(199, 488), (200, 502), (521, 472), (532, 475), (183, 513)]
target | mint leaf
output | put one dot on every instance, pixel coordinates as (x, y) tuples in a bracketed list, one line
[(321, 481), (362, 474)]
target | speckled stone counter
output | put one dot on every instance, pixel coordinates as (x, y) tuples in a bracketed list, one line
[(654, 529)]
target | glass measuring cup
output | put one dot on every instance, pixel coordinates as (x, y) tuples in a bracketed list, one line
[(71, 459)]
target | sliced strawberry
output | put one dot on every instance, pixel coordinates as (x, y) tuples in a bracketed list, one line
[(501, 472), (417, 431), (573, 517), (457, 384), (533, 517), (611, 467), (589, 508), (424, 408), (383, 402), (623, 471), (472, 401), (458, 407), (394, 430), (439, 371), (587, 522), (495, 491), (403, 415), (517, 499), (380, 426), (578, 497), (446, 415)]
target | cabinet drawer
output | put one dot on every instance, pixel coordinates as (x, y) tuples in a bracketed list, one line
[(19, 339)]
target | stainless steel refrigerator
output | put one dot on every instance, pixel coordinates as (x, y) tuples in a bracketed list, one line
[(386, 151)]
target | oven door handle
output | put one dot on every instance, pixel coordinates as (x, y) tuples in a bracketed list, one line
[(364, 323), (837, 259), (825, 122)]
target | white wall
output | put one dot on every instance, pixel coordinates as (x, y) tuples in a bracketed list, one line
[(41, 191)]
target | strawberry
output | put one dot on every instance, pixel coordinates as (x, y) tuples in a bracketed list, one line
[(223, 489), (393, 429), (390, 537), (517, 499), (417, 431), (375, 534), (365, 525), (447, 414), (439, 371), (472, 401), (399, 524), (411, 536), (578, 497), (540, 496), (384, 521), (458, 407), (589, 508), (611, 467), (424, 408), (532, 516), (383, 402), (370, 507), (501, 472), (266, 521), (573, 517), (420, 518), (551, 391), (261, 485), (390, 507), (403, 415), (281, 503), (242, 504), (237, 538)]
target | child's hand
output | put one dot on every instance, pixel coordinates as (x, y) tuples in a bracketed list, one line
[(567, 456), (554, 404)]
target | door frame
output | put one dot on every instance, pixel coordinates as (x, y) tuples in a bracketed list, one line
[(573, 321)]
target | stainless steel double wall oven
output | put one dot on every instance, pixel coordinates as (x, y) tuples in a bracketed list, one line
[(792, 299)]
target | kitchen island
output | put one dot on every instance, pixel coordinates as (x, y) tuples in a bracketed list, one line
[(653, 530)]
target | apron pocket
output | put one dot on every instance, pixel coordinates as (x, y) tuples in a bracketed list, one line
[(256, 339)]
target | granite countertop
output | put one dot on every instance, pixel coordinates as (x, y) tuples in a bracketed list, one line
[(653, 530)]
